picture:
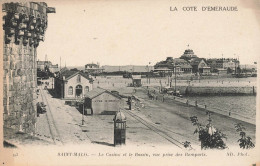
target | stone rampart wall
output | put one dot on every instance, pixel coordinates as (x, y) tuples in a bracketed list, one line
[(24, 25)]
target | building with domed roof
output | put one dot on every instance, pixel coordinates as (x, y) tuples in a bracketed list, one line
[(188, 55), (168, 66)]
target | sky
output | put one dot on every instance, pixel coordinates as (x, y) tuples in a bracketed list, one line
[(136, 32)]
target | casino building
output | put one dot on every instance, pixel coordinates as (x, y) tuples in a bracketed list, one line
[(188, 55)]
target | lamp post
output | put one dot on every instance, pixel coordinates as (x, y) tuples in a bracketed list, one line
[(147, 74), (175, 68), (83, 113)]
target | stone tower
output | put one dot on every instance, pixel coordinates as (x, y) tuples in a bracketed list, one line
[(24, 25)]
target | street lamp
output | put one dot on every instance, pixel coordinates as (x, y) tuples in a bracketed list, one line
[(174, 69), (148, 72), (83, 112)]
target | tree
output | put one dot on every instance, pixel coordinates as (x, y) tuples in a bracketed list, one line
[(229, 70), (238, 70), (244, 142), (210, 137)]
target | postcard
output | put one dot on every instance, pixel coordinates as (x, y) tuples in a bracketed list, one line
[(113, 82)]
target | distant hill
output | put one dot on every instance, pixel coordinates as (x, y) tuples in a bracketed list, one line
[(78, 67), (128, 68)]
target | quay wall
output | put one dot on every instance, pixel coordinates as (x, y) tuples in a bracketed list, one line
[(24, 25), (194, 103), (195, 90)]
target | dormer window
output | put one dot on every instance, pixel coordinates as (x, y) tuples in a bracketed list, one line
[(78, 79)]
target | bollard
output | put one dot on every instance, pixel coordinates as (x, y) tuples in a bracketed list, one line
[(205, 106), (229, 113), (187, 102)]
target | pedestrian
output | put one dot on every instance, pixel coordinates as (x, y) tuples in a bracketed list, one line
[(163, 98)]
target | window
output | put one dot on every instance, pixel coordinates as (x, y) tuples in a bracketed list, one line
[(78, 90), (70, 92), (78, 79), (86, 89)]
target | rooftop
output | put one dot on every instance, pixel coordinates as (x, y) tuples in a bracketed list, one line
[(196, 61), (98, 91), (69, 73)]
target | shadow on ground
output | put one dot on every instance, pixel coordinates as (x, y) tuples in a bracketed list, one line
[(53, 93), (102, 143), (8, 145)]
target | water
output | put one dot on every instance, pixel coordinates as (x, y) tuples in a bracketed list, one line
[(239, 106), (244, 106)]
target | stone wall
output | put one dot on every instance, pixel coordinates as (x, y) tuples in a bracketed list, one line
[(249, 90), (24, 25), (194, 90)]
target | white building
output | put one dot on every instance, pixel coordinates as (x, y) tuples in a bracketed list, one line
[(73, 84)]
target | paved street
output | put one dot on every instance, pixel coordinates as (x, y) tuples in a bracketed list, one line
[(61, 123)]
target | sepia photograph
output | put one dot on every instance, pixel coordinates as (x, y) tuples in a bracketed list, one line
[(113, 82)]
